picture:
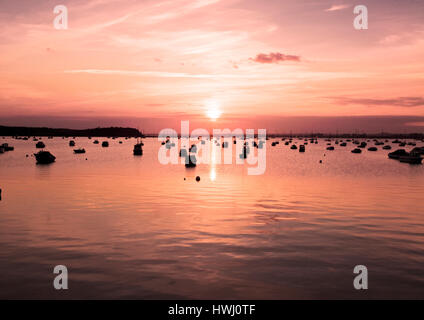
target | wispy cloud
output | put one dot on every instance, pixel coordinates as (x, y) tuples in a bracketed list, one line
[(274, 57), (397, 102), (159, 74), (337, 7)]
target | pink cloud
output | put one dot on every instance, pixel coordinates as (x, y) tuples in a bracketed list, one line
[(337, 7), (275, 57)]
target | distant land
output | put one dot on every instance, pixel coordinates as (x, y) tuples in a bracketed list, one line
[(132, 132), (52, 132)]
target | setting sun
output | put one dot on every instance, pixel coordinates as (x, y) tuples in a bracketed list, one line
[(212, 109)]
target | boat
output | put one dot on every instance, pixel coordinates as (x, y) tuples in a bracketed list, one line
[(343, 144), (6, 147), (372, 149), (330, 148), (96, 142), (362, 145), (105, 144), (40, 145), (190, 161), (1, 149), (245, 152), (293, 147), (78, 151), (72, 143), (387, 147), (138, 149), (302, 148), (44, 157), (397, 154), (356, 150)]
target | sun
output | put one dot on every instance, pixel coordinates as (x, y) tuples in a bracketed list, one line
[(213, 109)]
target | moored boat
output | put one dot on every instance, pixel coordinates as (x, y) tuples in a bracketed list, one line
[(40, 145), (44, 157), (397, 154), (138, 149)]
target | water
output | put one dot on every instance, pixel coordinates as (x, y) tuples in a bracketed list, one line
[(129, 227)]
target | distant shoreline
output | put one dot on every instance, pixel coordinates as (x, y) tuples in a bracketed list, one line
[(135, 133), (53, 132)]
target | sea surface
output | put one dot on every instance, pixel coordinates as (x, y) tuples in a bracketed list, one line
[(130, 227)]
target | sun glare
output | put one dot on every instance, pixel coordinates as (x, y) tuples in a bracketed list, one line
[(213, 109)]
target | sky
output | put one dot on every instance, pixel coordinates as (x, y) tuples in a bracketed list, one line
[(281, 65)]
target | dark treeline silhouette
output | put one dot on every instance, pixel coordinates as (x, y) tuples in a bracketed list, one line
[(51, 132)]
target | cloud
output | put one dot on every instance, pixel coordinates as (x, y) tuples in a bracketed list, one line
[(159, 74), (274, 57), (337, 7), (407, 102)]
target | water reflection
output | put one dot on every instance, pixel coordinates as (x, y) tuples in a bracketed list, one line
[(136, 228)]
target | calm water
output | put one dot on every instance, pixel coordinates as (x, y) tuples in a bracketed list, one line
[(129, 227)]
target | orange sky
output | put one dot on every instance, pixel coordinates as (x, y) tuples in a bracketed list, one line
[(177, 58)]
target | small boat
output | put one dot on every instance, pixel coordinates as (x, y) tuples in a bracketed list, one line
[(362, 145), (372, 149), (6, 147), (105, 144), (40, 145), (72, 143), (138, 149), (293, 147), (96, 142), (190, 161), (245, 152), (302, 148), (343, 144), (78, 151), (397, 154), (387, 147), (356, 150), (44, 157)]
